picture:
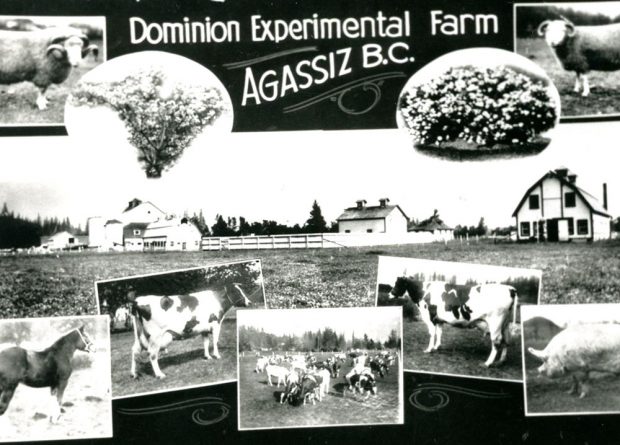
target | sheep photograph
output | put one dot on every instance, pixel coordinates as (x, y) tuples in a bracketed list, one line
[(55, 379), (41, 60), (176, 329), (304, 368), (479, 104), (460, 319), (571, 359), (578, 45), (153, 107)]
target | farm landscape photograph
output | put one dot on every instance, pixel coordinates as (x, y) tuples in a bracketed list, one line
[(320, 367), (570, 359), (449, 307), (69, 356), (172, 340)]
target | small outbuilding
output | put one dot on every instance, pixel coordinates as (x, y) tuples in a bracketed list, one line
[(384, 218), (555, 208), (435, 226)]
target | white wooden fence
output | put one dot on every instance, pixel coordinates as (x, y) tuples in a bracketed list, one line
[(317, 240)]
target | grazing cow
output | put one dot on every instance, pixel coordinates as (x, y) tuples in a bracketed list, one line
[(485, 306), (310, 388), (278, 372), (378, 365), (579, 350), (292, 387), (364, 383), (158, 320), (260, 364)]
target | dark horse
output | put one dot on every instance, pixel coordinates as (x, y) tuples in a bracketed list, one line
[(39, 369)]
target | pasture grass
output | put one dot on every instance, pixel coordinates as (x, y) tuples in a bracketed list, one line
[(462, 352), (183, 363), (50, 285), (604, 96), (17, 101), (259, 405)]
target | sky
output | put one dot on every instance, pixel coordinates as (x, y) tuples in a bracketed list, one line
[(278, 175), (376, 322)]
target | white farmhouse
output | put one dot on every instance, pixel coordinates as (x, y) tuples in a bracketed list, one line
[(384, 218), (62, 241), (172, 234), (554, 208)]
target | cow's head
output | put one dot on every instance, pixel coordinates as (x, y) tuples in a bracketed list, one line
[(409, 286)]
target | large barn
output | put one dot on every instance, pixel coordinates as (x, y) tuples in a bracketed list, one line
[(384, 218), (555, 208), (143, 226)]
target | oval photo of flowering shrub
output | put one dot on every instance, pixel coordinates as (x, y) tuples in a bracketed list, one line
[(479, 103)]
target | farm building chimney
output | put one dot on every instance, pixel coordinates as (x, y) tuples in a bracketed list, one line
[(572, 178), (561, 172), (360, 203), (383, 202), (605, 195)]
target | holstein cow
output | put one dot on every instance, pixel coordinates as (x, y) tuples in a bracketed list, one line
[(378, 365), (485, 306), (160, 319), (364, 383), (292, 387)]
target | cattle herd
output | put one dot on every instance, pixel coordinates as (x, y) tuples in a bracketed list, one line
[(307, 379)]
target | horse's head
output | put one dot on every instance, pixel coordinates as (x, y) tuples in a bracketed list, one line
[(85, 343), (236, 295)]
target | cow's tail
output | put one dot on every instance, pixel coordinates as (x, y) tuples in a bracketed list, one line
[(515, 304)]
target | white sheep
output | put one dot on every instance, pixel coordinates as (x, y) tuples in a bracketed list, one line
[(583, 48), (42, 57)]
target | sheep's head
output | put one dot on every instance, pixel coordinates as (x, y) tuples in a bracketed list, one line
[(71, 45), (556, 31)]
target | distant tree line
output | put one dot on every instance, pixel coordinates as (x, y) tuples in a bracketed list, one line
[(326, 340), (530, 17), (480, 230), (20, 232), (233, 226)]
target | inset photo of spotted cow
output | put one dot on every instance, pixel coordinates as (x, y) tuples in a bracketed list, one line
[(304, 368), (460, 319), (176, 329), (571, 359)]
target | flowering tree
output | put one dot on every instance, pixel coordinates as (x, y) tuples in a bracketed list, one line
[(162, 117), (483, 106)]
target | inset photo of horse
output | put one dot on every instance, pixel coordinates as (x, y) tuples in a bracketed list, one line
[(303, 368), (571, 359), (578, 45), (460, 319), (176, 329), (41, 60), (55, 379)]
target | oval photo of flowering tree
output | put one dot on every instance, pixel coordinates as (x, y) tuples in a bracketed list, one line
[(163, 100), (479, 103)]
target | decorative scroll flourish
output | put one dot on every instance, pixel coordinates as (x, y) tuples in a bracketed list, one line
[(434, 396), (249, 62), (208, 410), (370, 84)]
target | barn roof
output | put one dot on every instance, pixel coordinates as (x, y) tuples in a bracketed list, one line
[(428, 227), (370, 212), (129, 228), (134, 203), (593, 203)]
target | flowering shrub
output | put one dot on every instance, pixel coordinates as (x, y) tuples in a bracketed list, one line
[(483, 106), (162, 117)]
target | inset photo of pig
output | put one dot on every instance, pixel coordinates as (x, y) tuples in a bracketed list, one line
[(571, 359)]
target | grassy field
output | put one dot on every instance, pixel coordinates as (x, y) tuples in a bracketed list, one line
[(183, 363), (32, 286), (462, 352), (259, 405), (604, 96), (87, 405)]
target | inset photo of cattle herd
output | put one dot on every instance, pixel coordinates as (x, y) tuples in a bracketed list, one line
[(55, 378), (460, 319), (177, 329), (320, 367)]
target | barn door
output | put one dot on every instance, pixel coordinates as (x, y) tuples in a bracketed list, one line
[(552, 230)]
